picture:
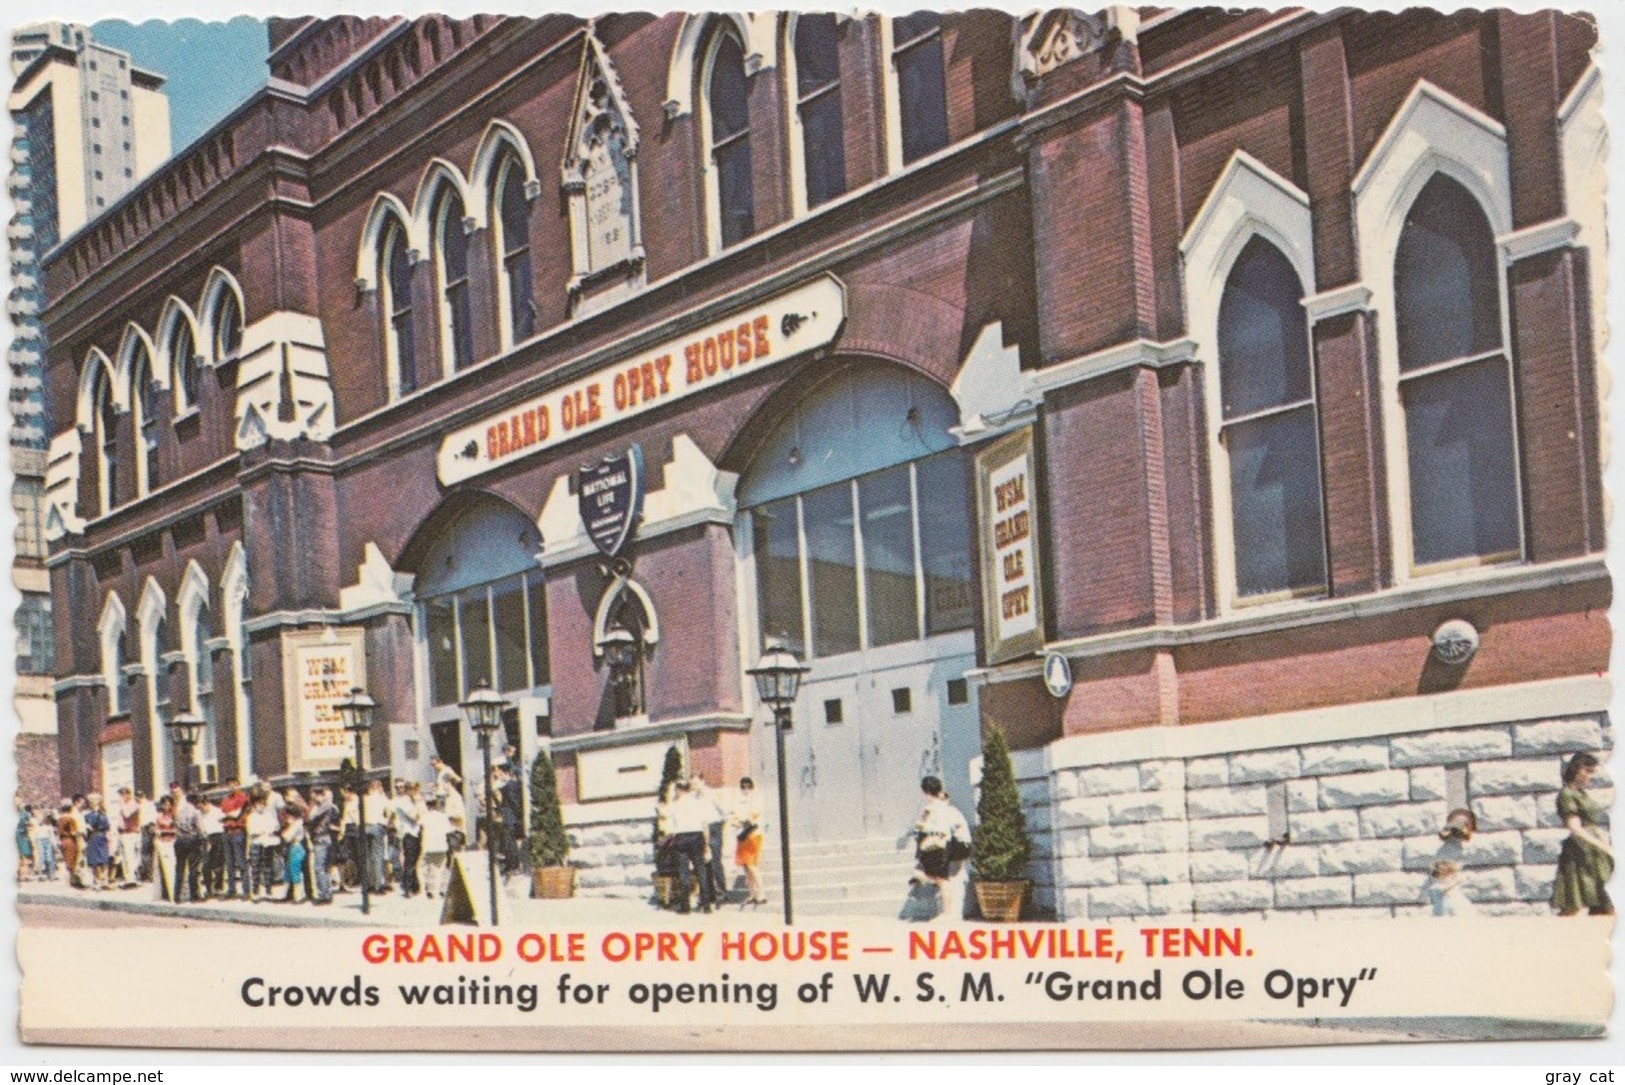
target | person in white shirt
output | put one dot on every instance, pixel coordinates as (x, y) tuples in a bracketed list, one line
[(436, 849), (409, 811), (943, 839), (263, 841), (690, 818)]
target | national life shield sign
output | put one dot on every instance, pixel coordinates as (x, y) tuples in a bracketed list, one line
[(611, 496)]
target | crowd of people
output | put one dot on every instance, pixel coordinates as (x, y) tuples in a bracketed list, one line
[(261, 843), (692, 827)]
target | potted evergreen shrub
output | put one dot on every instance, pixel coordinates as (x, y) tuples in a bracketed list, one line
[(551, 876), (1001, 846), (665, 858)]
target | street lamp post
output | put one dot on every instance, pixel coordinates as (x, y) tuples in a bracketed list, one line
[(185, 730), (484, 710), (778, 678), (356, 712)]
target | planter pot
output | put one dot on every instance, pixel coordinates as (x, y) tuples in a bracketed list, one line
[(1001, 901), (665, 888), (553, 883)]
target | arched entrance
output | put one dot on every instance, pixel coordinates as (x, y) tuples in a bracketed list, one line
[(481, 620), (855, 533)]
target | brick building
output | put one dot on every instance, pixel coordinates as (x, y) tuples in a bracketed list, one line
[(1210, 401)]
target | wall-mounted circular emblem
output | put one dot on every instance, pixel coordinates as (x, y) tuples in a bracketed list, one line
[(1454, 642), (1057, 674)]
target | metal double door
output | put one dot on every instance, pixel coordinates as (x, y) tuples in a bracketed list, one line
[(862, 742)]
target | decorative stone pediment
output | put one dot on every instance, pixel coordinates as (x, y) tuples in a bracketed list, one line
[(600, 180), (62, 486), (1048, 39), (283, 389)]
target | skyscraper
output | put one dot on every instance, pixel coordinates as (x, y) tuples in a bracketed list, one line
[(89, 125)]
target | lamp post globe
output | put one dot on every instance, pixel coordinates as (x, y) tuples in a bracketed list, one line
[(356, 711), (185, 731), (483, 707), (778, 679)]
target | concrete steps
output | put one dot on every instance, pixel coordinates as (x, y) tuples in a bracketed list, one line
[(844, 878)]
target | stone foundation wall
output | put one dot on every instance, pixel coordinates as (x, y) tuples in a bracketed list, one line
[(1192, 836), (616, 858)]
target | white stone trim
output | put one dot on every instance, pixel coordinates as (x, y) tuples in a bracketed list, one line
[(1473, 583), (1559, 233), (1583, 143), (368, 252), (219, 282), (149, 614), (113, 624), (693, 491), (1248, 200), (990, 388), (192, 597), (499, 136), (609, 811), (756, 33), (97, 365), (233, 603), (1353, 298), (62, 467), (1336, 723), (1112, 359), (647, 732), (1432, 132), (376, 583), (164, 362), (283, 341)]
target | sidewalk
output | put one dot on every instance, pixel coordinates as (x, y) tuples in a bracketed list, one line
[(392, 910)]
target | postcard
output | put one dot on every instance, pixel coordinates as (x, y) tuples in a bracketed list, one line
[(803, 531)]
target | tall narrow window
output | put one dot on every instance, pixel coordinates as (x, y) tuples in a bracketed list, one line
[(451, 248), (922, 98), (228, 326), (146, 421), (120, 699), (186, 365), (107, 441), (513, 250), (730, 138), (395, 274), (1266, 388), (818, 105), (203, 683), (1455, 382)]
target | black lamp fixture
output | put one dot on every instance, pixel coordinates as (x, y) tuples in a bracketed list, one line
[(185, 731), (356, 712), (484, 711), (778, 680)]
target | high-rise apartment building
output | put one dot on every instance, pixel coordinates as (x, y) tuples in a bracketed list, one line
[(89, 124)]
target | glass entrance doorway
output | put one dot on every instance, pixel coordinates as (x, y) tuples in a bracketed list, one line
[(857, 535)]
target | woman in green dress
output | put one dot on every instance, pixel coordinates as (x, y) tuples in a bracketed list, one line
[(1587, 860)]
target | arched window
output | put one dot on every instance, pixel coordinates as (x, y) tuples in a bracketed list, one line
[(227, 323), (143, 396), (202, 675), (395, 281), (511, 213), (922, 97), (1455, 382), (186, 363), (727, 108), (115, 647), (1268, 429), (484, 612), (818, 107), (859, 528), (451, 268), (106, 414)]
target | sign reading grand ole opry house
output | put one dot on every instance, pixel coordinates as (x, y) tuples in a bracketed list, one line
[(789, 325)]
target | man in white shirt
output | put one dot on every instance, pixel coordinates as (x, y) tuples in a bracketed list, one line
[(690, 818)]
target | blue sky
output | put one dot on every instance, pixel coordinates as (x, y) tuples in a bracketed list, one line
[(211, 67)]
